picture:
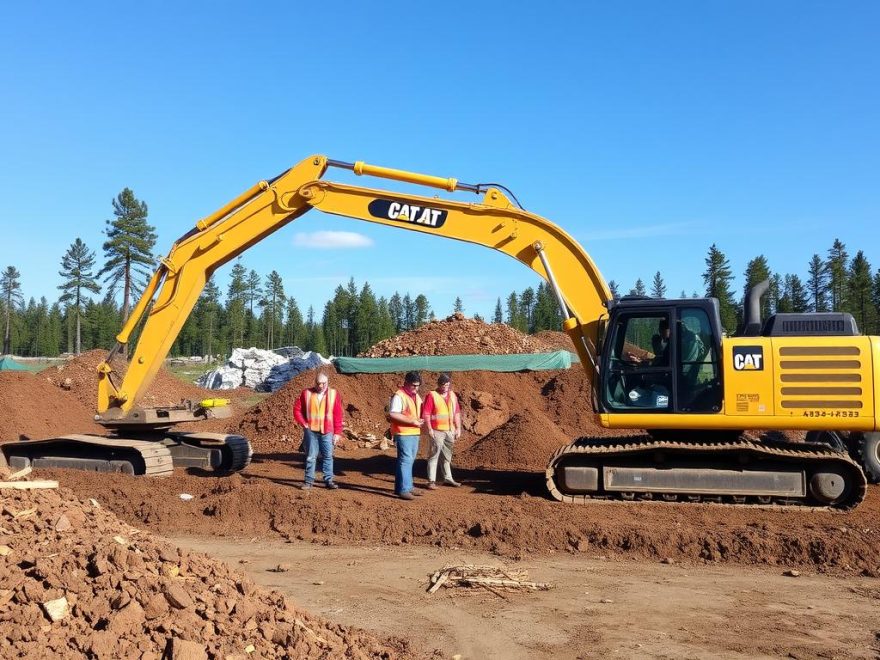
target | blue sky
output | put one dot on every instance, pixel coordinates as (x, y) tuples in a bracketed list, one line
[(647, 130)]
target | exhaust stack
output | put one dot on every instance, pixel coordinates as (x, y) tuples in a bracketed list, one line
[(752, 309)]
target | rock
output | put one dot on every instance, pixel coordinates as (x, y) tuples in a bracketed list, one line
[(280, 568), (177, 597), (792, 573), (667, 560), (181, 649), (56, 609), (607, 601), (62, 524), (155, 607)]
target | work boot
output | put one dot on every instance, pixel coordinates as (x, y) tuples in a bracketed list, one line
[(332, 485), (431, 486), (406, 496), (451, 482), (417, 493), (306, 486)]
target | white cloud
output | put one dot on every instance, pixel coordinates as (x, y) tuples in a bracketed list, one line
[(332, 240)]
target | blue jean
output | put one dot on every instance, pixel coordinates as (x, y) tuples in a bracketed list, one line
[(314, 443), (407, 448)]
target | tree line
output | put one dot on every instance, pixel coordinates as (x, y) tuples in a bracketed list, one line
[(834, 282), (257, 311)]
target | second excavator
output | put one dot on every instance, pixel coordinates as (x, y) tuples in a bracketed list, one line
[(712, 415)]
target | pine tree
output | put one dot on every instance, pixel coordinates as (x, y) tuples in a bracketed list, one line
[(875, 297), (837, 265), (717, 278), (423, 310), (613, 287), (10, 289), (479, 318), (498, 317), (859, 301), (409, 313), (798, 296), (254, 293), (208, 311), (76, 269), (236, 304), (395, 308), (547, 316), (458, 306), (128, 250), (314, 336), (527, 308), (274, 300), (386, 321), (817, 283), (367, 324), (638, 289), (775, 294), (294, 334), (514, 319), (658, 286)]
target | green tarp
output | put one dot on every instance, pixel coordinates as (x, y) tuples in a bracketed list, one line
[(438, 363), (8, 364)]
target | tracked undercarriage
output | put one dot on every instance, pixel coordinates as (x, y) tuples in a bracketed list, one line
[(733, 469), (142, 443)]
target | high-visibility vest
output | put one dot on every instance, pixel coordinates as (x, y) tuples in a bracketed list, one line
[(442, 416), (319, 408), (411, 408)]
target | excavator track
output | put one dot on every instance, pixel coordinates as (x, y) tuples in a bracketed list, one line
[(219, 452), (738, 471), (92, 452)]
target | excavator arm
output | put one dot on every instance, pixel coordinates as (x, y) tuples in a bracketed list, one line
[(494, 221)]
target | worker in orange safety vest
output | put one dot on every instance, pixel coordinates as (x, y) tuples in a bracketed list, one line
[(442, 415), (318, 410), (405, 415)]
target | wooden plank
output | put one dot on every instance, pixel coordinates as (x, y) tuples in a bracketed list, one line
[(28, 485)]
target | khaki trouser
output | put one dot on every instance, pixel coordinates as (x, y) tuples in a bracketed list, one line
[(442, 444)]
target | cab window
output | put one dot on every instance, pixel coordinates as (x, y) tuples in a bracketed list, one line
[(639, 371), (698, 373)]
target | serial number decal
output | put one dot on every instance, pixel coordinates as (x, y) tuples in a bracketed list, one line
[(831, 413)]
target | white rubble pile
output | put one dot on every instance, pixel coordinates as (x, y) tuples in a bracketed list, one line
[(261, 370)]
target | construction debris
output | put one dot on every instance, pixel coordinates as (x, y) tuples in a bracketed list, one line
[(261, 370), (493, 578)]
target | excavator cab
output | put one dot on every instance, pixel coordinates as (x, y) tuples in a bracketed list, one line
[(662, 356)]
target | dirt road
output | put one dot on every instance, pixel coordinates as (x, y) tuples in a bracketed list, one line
[(598, 608)]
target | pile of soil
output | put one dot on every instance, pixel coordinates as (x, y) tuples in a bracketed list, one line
[(457, 335), (555, 340), (76, 581), (33, 407), (79, 376), (525, 441), (488, 399)]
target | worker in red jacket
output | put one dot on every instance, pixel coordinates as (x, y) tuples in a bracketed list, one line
[(318, 410)]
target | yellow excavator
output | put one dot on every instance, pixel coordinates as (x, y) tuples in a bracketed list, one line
[(711, 411)]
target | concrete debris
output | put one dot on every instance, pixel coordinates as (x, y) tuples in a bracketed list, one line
[(261, 370), (56, 609)]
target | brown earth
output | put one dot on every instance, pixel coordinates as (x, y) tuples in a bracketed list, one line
[(458, 335), (506, 512), (127, 594)]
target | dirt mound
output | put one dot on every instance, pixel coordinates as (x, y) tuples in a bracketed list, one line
[(555, 340), (79, 376), (525, 441), (457, 335), (76, 581), (488, 399), (34, 407)]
